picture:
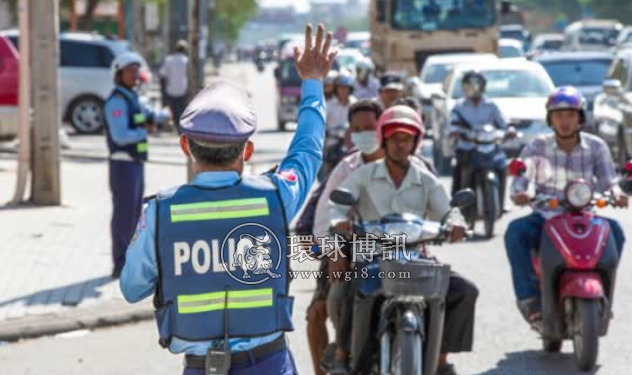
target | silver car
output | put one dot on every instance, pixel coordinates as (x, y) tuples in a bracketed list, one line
[(520, 88)]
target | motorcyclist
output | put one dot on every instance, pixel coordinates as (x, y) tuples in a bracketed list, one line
[(397, 184), (363, 118), (473, 112), (329, 85), (552, 161), (366, 86), (338, 106), (391, 88)]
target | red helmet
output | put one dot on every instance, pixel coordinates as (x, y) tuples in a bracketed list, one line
[(400, 118)]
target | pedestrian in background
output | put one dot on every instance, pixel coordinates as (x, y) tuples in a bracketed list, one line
[(175, 73)]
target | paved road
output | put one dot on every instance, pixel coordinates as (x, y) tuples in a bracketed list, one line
[(504, 345)]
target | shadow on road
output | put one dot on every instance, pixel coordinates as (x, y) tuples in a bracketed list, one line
[(67, 295), (536, 362)]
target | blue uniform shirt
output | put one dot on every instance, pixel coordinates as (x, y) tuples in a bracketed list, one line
[(117, 117), (296, 174)]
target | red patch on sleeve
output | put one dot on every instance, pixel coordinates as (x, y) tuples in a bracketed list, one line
[(288, 175), (117, 113)]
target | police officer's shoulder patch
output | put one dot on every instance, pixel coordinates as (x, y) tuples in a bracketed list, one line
[(288, 175)]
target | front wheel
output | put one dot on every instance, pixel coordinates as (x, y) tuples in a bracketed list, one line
[(586, 320), (406, 357), (491, 203)]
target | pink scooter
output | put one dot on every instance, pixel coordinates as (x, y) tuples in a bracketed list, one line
[(576, 265)]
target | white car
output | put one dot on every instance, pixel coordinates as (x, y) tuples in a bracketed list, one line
[(85, 78), (348, 58), (510, 49), (434, 72), (519, 87)]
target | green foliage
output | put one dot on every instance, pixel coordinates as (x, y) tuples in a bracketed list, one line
[(230, 16)]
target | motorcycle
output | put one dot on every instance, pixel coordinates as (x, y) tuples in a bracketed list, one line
[(260, 62), (410, 325), (576, 266), (334, 149), (481, 173)]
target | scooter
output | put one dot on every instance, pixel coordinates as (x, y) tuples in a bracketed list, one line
[(576, 265), (410, 325), (481, 174)]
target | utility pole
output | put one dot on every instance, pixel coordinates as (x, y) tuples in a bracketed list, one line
[(24, 104), (44, 46), (194, 66)]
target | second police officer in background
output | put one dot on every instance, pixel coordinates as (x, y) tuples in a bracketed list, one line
[(127, 121), (225, 325)]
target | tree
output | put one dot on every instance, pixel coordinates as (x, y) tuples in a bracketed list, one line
[(230, 16)]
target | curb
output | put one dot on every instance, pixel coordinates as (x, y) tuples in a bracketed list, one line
[(105, 314)]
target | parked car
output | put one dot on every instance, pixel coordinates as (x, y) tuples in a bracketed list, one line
[(584, 70), (433, 73), (8, 89), (592, 35), (547, 43), (85, 78), (510, 49), (519, 87), (613, 108)]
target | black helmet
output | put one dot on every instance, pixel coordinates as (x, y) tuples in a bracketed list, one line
[(473, 83)]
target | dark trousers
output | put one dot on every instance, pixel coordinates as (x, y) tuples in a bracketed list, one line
[(462, 177), (177, 105), (127, 181), (523, 235), (458, 329), (280, 363)]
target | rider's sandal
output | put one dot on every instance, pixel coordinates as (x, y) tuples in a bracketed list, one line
[(531, 310)]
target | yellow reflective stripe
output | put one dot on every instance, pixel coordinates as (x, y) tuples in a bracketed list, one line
[(142, 147), (220, 215), (226, 203), (228, 209), (139, 118), (244, 299), (200, 297)]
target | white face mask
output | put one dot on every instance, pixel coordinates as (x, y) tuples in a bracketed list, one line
[(365, 142)]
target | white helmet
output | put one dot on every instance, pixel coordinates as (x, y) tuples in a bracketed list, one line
[(366, 64), (125, 59)]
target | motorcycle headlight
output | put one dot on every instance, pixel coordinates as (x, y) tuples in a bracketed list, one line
[(412, 231), (487, 136), (579, 193)]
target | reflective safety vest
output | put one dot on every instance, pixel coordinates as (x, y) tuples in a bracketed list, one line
[(136, 119), (222, 259)]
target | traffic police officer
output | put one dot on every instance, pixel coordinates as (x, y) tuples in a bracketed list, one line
[(126, 120), (223, 321)]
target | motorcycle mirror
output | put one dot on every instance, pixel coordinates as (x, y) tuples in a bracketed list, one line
[(463, 198), (517, 167), (343, 198), (612, 87)]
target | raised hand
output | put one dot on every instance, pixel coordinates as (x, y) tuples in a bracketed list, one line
[(316, 60)]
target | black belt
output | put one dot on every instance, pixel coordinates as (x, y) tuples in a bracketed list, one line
[(240, 358)]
